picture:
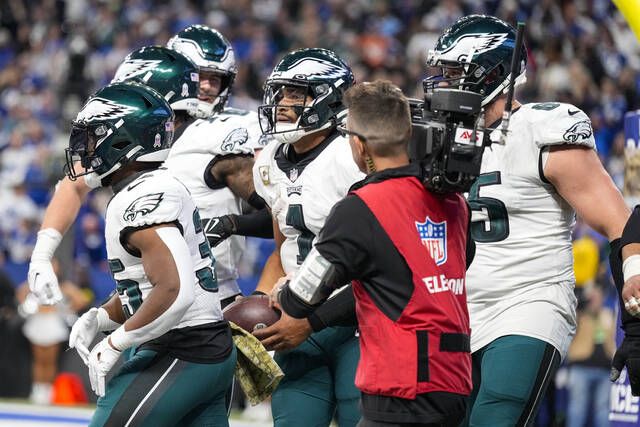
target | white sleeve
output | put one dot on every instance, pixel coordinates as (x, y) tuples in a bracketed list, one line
[(122, 338), (563, 125)]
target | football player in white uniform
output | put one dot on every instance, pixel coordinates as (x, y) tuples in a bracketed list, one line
[(301, 174), (520, 285), (212, 155), (166, 303)]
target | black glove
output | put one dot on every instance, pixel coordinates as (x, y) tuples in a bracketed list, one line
[(628, 354), (218, 229)]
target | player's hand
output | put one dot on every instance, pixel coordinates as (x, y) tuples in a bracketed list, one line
[(220, 228), (101, 360), (43, 282), (631, 295), (285, 334), (83, 332), (274, 301)]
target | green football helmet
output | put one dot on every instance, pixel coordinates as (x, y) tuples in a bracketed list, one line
[(475, 54), (323, 76), (212, 53), (122, 123), (169, 72)]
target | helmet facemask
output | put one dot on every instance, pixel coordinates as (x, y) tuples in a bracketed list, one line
[(311, 116)]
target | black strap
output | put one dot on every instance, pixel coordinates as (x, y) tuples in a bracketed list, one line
[(453, 342), (423, 355)]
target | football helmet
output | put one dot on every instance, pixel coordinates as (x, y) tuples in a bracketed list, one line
[(321, 75), (212, 53), (169, 72), (122, 123), (475, 54)]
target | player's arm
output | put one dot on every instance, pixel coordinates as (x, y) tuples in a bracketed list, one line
[(166, 260), (235, 171), (579, 177), (272, 270), (60, 214), (630, 244)]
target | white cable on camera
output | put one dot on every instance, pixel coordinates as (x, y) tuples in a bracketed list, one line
[(631, 267)]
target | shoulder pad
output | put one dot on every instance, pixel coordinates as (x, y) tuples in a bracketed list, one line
[(154, 201), (556, 123)]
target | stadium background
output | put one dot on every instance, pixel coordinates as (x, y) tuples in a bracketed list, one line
[(55, 53)]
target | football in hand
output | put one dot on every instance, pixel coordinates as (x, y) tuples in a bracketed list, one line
[(251, 312)]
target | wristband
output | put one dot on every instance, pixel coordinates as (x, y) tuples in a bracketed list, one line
[(631, 267), (104, 321), (46, 244), (121, 339)]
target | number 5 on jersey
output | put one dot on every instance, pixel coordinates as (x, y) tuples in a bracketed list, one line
[(495, 224)]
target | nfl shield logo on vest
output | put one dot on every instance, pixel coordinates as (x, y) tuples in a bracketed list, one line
[(434, 238)]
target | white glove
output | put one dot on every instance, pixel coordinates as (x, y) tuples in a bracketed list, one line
[(86, 328), (43, 282), (101, 360)]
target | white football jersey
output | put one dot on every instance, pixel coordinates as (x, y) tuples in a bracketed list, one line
[(521, 279), (157, 197), (190, 159), (302, 194)]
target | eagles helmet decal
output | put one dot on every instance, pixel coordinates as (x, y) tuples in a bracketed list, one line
[(135, 67), (103, 109), (143, 205)]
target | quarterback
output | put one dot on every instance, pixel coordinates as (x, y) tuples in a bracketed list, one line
[(212, 153), (520, 285), (301, 174), (166, 304)]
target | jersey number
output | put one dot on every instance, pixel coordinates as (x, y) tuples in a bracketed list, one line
[(206, 276), (496, 227), (295, 219), (134, 295)]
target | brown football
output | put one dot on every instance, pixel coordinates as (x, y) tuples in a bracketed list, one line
[(252, 312)]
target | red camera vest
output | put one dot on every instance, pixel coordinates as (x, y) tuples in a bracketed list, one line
[(427, 348)]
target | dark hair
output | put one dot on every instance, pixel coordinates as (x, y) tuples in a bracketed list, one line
[(380, 112)]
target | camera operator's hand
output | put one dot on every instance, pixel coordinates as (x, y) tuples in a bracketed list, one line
[(628, 354), (219, 228)]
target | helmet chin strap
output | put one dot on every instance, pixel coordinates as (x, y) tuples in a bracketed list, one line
[(291, 134)]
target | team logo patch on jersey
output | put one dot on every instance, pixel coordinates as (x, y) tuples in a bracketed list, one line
[(434, 238), (237, 136), (293, 174), (103, 109), (578, 132), (143, 205)]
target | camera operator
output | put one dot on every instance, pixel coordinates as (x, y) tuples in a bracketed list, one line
[(405, 248)]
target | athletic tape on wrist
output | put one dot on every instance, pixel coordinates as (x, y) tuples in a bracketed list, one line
[(104, 321), (46, 244), (631, 267)]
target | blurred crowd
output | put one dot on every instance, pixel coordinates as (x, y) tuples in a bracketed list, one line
[(54, 53)]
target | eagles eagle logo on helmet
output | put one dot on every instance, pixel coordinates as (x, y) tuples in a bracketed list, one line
[(101, 109)]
